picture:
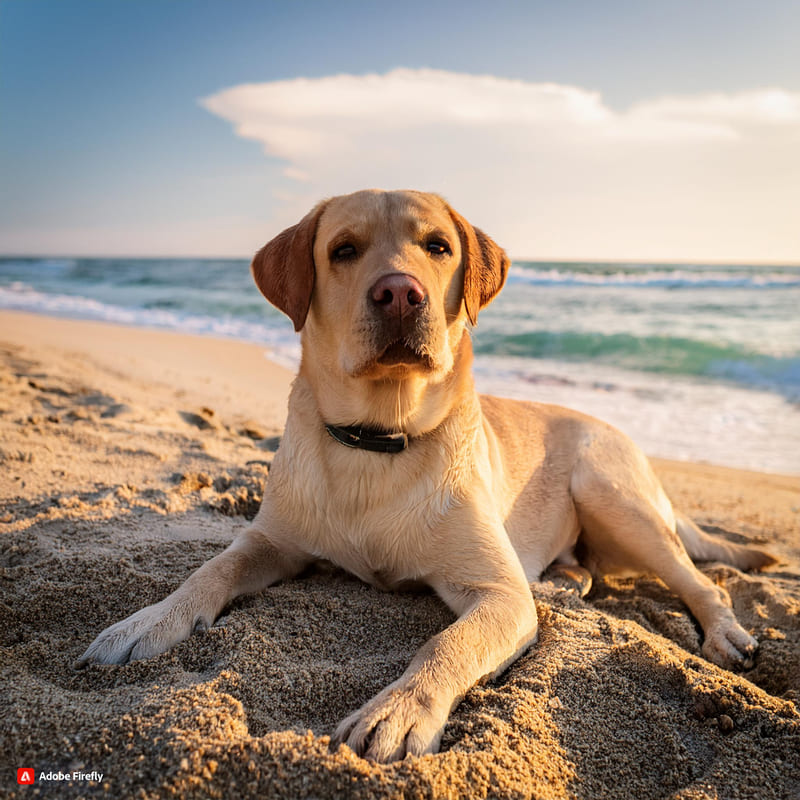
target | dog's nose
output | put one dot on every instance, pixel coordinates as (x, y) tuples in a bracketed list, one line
[(397, 294)]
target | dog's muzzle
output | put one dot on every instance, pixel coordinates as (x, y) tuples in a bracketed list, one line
[(399, 305)]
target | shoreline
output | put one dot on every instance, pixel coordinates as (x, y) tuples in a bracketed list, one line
[(248, 366), (230, 371), (130, 456)]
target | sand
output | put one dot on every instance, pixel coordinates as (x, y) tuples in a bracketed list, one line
[(129, 457)]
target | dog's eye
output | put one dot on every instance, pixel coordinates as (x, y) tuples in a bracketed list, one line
[(344, 252), (438, 248)]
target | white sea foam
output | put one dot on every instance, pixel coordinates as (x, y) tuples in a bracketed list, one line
[(283, 344), (634, 278), (667, 416)]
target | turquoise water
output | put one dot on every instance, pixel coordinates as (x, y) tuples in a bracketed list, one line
[(652, 334)]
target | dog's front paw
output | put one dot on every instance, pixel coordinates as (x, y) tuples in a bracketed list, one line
[(729, 645), (144, 634), (399, 721)]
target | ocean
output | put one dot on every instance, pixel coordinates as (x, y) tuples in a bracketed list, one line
[(694, 362)]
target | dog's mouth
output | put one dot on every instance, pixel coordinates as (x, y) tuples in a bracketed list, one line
[(395, 352), (396, 360), (401, 353)]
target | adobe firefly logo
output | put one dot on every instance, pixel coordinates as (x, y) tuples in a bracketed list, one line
[(25, 776)]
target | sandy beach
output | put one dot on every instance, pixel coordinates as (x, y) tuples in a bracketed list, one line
[(128, 457)]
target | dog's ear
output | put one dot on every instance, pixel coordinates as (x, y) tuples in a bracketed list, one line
[(283, 268), (485, 266)]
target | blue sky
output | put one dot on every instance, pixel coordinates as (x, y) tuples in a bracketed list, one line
[(596, 130)]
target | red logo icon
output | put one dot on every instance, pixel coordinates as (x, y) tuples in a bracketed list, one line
[(25, 775)]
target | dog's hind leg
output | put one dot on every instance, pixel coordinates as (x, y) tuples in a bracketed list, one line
[(703, 547), (622, 512), (570, 577)]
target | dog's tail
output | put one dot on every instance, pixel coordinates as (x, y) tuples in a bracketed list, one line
[(703, 547)]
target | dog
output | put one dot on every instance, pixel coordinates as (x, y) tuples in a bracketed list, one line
[(395, 469)]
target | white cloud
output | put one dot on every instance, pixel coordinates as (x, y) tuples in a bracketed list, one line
[(549, 170), (760, 107)]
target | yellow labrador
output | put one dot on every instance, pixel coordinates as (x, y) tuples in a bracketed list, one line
[(393, 467)]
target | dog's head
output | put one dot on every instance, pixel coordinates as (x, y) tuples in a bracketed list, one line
[(384, 281)]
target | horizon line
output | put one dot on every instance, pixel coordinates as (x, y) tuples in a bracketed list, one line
[(664, 262)]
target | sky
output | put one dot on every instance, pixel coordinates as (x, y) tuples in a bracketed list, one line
[(640, 131)]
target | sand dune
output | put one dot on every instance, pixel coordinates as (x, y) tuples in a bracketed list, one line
[(129, 457)]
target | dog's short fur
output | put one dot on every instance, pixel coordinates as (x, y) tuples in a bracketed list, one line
[(488, 494)]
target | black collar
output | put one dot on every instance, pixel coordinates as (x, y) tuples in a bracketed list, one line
[(373, 439)]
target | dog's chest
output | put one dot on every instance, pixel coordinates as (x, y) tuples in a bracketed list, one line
[(383, 540), (370, 515)]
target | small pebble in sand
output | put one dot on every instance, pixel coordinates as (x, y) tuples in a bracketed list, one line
[(725, 723)]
